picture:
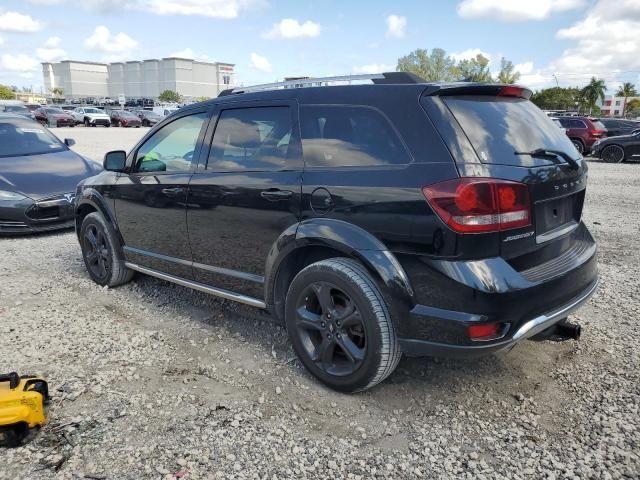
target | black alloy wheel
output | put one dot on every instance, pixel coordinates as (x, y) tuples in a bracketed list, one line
[(86, 122), (613, 154), (579, 145), (97, 252), (340, 326), (330, 328)]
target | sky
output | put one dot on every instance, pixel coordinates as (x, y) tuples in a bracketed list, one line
[(567, 40)]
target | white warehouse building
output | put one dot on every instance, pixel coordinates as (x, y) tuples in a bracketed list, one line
[(139, 79)]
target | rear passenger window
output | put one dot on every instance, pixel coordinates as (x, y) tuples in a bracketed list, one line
[(349, 136), (256, 138), (577, 124)]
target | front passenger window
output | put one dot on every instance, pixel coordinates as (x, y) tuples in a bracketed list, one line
[(171, 148)]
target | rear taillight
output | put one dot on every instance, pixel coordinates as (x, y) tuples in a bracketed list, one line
[(480, 205), (597, 133)]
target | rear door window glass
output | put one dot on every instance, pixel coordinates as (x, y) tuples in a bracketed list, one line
[(577, 124), (252, 139), (335, 136), (498, 127)]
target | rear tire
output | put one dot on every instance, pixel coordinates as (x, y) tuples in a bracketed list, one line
[(613, 154), (579, 145), (340, 326), (101, 252)]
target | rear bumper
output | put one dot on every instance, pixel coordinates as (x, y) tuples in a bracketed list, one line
[(526, 330), (451, 296)]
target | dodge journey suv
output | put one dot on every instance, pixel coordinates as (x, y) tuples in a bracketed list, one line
[(372, 220)]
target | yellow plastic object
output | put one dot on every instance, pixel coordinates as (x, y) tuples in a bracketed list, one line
[(22, 403)]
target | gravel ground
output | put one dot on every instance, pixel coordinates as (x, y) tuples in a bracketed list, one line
[(155, 381)]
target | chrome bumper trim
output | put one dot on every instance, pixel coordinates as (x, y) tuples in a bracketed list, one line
[(544, 321), (218, 292)]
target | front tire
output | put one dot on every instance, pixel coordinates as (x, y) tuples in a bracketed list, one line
[(340, 326), (613, 154), (86, 122), (102, 253)]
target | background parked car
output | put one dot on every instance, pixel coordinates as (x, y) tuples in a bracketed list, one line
[(619, 148), (619, 126), (149, 118), (91, 116), (38, 177), (17, 107), (583, 131), (54, 117), (124, 118)]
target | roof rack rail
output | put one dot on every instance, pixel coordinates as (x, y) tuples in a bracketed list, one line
[(376, 78)]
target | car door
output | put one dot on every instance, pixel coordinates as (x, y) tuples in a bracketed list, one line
[(245, 195), (150, 201), (632, 148), (78, 114)]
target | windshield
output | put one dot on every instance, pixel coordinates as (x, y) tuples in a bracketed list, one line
[(497, 127), (15, 108), (128, 115), (151, 115), (17, 139), (55, 110), (92, 110)]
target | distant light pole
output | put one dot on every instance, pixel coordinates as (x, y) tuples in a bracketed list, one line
[(556, 79)]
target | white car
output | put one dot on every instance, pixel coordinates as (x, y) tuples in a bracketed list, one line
[(91, 117)]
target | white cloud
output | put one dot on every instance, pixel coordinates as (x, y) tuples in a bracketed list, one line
[(396, 26), (260, 63), (606, 43), (50, 54), (47, 3), (470, 53), (1, 41), (292, 28), (52, 42), (524, 68), (17, 22), (515, 10), (19, 62), (103, 40), (206, 8), (373, 68)]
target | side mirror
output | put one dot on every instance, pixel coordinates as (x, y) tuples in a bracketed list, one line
[(115, 161), (69, 142)]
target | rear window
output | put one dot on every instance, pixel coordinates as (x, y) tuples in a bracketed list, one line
[(349, 136), (598, 125), (14, 108), (497, 127), (18, 139)]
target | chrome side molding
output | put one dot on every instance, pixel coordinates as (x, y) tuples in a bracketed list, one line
[(218, 292)]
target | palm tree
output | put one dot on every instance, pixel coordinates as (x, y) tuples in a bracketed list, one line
[(593, 92), (627, 89)]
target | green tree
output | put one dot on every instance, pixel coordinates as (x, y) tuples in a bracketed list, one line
[(170, 96), (475, 69), (6, 93), (202, 99), (557, 98), (627, 89), (593, 92), (436, 66), (632, 109), (507, 72)]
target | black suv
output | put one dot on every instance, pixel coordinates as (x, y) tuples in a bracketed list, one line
[(372, 219)]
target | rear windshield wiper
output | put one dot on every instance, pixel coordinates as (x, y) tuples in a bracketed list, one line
[(551, 154)]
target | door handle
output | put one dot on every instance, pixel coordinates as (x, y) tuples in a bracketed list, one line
[(275, 195), (172, 192)]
